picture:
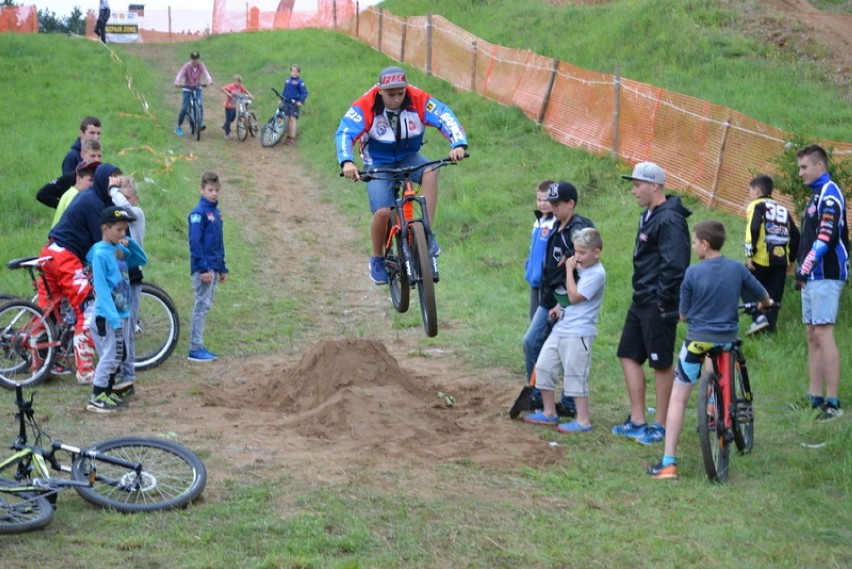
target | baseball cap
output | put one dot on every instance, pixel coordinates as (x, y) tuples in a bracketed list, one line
[(647, 172), (561, 192), (194, 55), (90, 165), (114, 213), (392, 77)]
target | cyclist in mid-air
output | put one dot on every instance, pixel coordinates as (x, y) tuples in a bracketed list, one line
[(389, 121), (190, 75)]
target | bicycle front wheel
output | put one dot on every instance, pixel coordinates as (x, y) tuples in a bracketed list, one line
[(28, 343), (426, 280), (273, 131), (22, 511), (743, 413), (171, 475), (712, 434), (242, 127), (199, 121), (157, 329), (400, 288)]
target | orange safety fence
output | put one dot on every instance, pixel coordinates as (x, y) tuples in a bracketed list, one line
[(23, 19), (707, 150)]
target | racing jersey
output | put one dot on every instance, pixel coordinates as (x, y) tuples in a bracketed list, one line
[(824, 251), (771, 236), (368, 122)]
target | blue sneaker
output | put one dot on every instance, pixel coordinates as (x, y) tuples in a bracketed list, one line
[(377, 271), (539, 418), (654, 433), (434, 248), (201, 355), (630, 429), (179, 131), (573, 427)]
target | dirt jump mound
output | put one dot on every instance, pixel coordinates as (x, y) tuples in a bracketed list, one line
[(351, 397)]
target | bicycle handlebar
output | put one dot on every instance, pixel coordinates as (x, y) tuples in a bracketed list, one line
[(191, 87), (746, 308), (401, 173)]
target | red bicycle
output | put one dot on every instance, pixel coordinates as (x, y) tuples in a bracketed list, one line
[(407, 256), (725, 406)]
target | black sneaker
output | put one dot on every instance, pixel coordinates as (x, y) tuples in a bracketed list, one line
[(564, 410), (829, 412)]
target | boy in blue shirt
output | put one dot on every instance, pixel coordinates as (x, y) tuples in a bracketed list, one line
[(110, 259), (207, 262), (709, 301), (293, 96)]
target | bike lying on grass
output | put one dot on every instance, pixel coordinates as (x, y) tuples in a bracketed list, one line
[(408, 259), (34, 339), (128, 474), (725, 406)]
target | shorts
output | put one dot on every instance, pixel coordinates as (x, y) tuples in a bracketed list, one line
[(691, 357), (648, 336), (566, 357), (380, 192), (290, 108), (820, 301)]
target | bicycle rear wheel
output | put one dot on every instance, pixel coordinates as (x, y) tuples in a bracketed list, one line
[(28, 343), (199, 121), (400, 287), (743, 412), (273, 131), (158, 328), (426, 282), (171, 477), (252, 122), (715, 448), (242, 127), (22, 511)]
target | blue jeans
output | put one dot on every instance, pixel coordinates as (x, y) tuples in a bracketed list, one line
[(380, 192), (204, 293), (534, 338), (184, 106)]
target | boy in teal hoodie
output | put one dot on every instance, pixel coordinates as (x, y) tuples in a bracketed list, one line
[(110, 259)]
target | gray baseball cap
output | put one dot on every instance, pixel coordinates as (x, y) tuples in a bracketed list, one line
[(392, 78), (647, 172)]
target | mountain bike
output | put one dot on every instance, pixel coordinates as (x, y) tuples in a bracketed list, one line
[(33, 339), (276, 127), (126, 474), (246, 121), (195, 113), (725, 406), (408, 260)]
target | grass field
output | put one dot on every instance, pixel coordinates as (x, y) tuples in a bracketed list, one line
[(787, 506)]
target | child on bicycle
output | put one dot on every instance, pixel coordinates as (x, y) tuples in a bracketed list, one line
[(188, 78), (568, 349), (233, 91), (709, 300), (207, 262), (109, 259), (293, 96)]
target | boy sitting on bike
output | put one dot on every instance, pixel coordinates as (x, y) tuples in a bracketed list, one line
[(189, 78), (709, 300), (390, 121)]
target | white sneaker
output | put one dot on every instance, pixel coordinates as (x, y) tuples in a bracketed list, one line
[(760, 324)]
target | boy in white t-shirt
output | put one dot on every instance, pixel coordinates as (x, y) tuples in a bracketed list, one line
[(568, 349)]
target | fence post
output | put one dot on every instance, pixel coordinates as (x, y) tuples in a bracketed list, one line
[(381, 22), (170, 23), (357, 20), (546, 101), (428, 43), (402, 47), (334, 13), (473, 67), (616, 116), (714, 186)]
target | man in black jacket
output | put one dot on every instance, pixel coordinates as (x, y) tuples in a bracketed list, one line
[(563, 200), (660, 259)]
